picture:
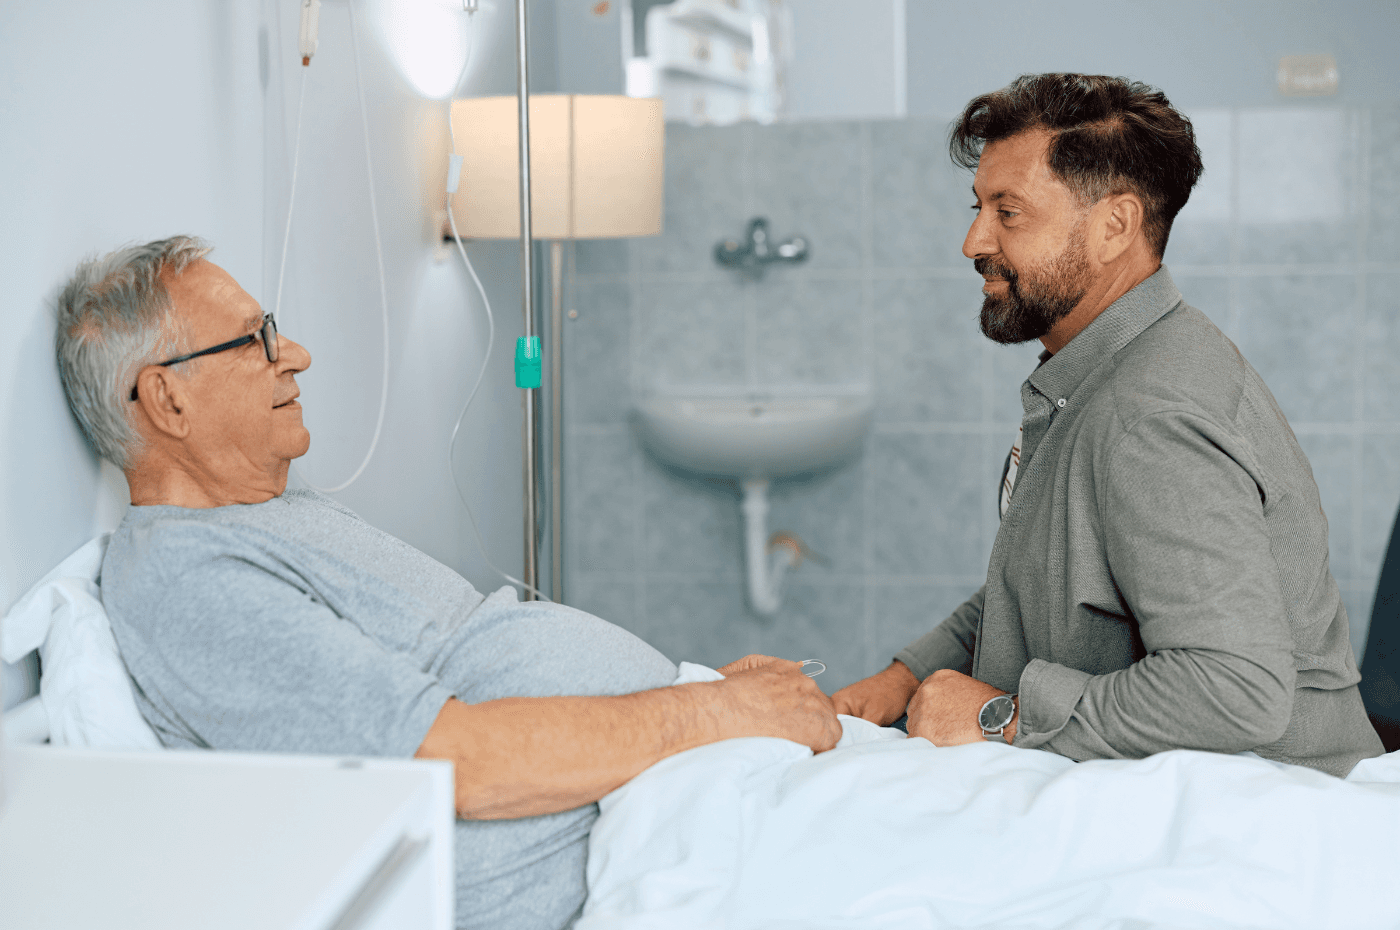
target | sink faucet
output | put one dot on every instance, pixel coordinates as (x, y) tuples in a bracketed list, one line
[(756, 253)]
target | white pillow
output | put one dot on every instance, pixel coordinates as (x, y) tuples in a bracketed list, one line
[(83, 686)]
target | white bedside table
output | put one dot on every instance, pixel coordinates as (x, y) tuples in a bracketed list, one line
[(186, 840)]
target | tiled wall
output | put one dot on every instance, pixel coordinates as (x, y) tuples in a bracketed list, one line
[(1291, 244)]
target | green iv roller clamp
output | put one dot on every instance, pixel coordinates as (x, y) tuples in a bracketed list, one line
[(527, 362)]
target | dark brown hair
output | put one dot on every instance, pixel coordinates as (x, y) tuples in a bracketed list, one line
[(1110, 136)]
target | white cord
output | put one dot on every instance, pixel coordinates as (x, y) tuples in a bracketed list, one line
[(378, 254), (490, 344), (291, 199)]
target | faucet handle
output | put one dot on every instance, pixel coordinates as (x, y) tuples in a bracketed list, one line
[(757, 251), (758, 239), (794, 250)]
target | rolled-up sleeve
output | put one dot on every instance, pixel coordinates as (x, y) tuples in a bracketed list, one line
[(1182, 508)]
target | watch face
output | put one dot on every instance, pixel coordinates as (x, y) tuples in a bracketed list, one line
[(996, 713)]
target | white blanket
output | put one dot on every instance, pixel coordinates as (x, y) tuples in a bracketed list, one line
[(885, 831)]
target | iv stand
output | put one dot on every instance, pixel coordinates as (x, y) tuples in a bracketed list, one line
[(531, 574)]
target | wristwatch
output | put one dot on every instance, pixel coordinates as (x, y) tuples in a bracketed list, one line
[(995, 716)]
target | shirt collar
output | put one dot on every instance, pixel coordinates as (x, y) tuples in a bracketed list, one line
[(1123, 321)]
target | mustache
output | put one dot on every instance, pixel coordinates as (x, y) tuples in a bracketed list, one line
[(986, 266)]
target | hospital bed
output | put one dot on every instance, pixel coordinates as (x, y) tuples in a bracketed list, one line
[(887, 831), (109, 833)]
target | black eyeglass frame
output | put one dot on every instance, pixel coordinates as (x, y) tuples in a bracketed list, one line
[(268, 331)]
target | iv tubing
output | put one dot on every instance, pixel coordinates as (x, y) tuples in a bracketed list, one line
[(291, 199), (378, 254)]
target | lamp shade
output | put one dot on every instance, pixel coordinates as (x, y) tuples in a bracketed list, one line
[(595, 167)]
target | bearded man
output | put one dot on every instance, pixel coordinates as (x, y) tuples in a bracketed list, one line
[(1159, 579)]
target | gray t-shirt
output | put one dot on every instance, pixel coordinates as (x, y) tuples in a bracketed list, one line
[(294, 626)]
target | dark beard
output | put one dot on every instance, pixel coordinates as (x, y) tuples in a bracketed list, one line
[(1029, 309)]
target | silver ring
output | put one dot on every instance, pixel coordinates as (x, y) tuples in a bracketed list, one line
[(817, 662)]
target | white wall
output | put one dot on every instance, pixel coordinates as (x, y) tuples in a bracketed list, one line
[(133, 121), (847, 59), (122, 122), (889, 58), (1202, 53)]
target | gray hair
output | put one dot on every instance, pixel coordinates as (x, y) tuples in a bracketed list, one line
[(115, 317)]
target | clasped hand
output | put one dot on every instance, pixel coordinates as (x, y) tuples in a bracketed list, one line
[(771, 697), (943, 709)]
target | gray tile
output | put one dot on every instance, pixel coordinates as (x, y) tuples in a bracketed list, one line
[(1358, 599), (807, 182), (1202, 231), (1297, 243), (1383, 243), (1298, 185), (826, 512), (613, 600), (1010, 367), (704, 197), (597, 356), (926, 500), (1209, 294), (1380, 489), (692, 334), (601, 256), (1299, 334), (1212, 198), (691, 524), (1380, 383), (820, 621), (697, 621), (601, 531), (809, 333), (927, 351), (1195, 242), (905, 611), (1332, 458), (920, 210)]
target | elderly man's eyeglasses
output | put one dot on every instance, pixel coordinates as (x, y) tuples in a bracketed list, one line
[(268, 332)]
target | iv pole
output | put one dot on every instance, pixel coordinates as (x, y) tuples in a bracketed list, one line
[(531, 574)]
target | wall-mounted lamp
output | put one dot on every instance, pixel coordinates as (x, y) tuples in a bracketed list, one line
[(595, 172)]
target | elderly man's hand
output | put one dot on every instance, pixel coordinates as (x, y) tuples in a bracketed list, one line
[(881, 698), (746, 663), (764, 696), (944, 709)]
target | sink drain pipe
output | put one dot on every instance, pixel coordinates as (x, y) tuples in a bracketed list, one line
[(768, 559)]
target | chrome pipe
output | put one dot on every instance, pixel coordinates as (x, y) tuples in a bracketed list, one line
[(556, 421), (531, 573)]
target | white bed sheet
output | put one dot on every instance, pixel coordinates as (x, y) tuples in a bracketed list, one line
[(892, 832)]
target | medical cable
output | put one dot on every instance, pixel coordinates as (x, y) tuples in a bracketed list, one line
[(454, 168), (374, 218), (308, 40), (291, 200)]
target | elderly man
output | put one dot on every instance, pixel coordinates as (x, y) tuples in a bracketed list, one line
[(1159, 580), (256, 618)]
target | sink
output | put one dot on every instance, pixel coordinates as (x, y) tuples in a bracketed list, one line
[(749, 438), (754, 439)]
